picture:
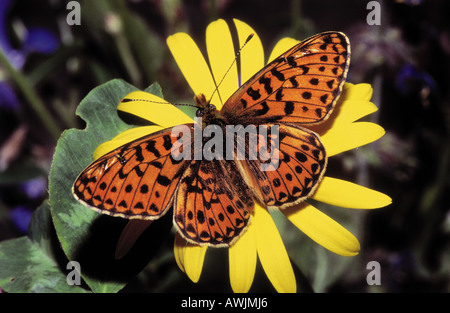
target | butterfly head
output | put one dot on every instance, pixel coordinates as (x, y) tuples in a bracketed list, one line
[(207, 111)]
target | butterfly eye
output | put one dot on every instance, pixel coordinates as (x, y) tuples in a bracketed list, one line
[(211, 107), (199, 113)]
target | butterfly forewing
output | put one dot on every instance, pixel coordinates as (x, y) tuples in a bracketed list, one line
[(136, 180), (301, 86)]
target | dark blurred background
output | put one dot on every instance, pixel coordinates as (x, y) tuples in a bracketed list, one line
[(49, 66)]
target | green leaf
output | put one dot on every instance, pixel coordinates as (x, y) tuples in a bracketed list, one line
[(34, 263), (86, 236)]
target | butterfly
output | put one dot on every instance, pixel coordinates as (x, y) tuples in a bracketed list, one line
[(212, 199)]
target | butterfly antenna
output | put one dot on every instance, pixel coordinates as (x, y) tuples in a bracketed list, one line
[(160, 102), (234, 61), (184, 104)]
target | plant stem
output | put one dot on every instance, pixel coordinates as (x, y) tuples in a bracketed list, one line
[(127, 58), (31, 96)]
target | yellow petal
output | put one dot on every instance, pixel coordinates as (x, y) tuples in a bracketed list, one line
[(357, 92), (192, 64), (347, 137), (242, 257), (322, 229), (194, 256), (352, 105), (252, 55), (178, 251), (281, 47), (189, 257), (154, 109), (123, 138), (221, 55), (272, 253), (349, 195), (352, 110)]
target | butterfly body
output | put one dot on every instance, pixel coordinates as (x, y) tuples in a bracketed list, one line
[(213, 198)]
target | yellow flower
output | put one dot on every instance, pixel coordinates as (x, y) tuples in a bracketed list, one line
[(341, 132)]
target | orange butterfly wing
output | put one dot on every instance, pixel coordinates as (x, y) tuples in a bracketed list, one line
[(299, 88), (293, 173), (139, 180), (136, 180), (213, 204), (302, 85)]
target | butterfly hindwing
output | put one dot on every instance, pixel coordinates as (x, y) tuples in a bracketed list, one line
[(213, 204), (301, 86), (292, 172), (136, 180)]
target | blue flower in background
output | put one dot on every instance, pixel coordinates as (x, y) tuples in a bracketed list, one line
[(32, 190), (35, 188), (21, 216), (8, 98), (410, 77), (40, 40), (37, 39)]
